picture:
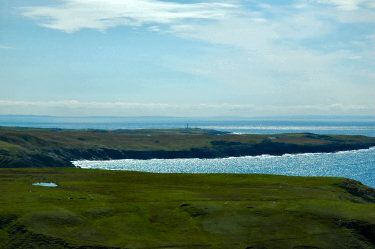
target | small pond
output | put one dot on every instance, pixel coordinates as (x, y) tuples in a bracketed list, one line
[(45, 184)]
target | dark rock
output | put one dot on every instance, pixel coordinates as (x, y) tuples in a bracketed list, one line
[(364, 229)]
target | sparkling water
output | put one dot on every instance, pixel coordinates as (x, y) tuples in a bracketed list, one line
[(358, 165)]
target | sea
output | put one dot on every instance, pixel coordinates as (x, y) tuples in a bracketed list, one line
[(358, 165), (346, 125)]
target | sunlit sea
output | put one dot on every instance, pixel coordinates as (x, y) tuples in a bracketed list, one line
[(358, 165)]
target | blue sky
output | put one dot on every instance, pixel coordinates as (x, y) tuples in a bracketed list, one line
[(187, 58)]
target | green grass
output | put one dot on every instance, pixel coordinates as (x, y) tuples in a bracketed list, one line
[(155, 139), (144, 210), (9, 147)]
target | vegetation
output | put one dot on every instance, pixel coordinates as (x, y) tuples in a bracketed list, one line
[(114, 209), (33, 147), (101, 209)]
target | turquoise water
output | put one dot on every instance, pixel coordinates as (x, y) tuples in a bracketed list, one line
[(358, 165)]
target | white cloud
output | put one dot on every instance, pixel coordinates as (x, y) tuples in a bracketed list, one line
[(154, 28), (348, 5), (73, 15), (74, 107), (275, 65), (266, 53), (4, 47)]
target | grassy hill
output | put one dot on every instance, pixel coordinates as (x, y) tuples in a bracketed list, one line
[(32, 147), (104, 209)]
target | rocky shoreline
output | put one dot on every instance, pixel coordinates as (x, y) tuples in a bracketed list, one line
[(29, 147), (64, 157)]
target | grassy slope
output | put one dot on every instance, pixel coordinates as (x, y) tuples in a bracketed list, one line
[(25, 147), (143, 210), (117, 139), (154, 139)]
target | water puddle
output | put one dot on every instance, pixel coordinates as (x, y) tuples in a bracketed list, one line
[(45, 184)]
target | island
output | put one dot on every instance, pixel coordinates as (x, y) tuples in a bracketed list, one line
[(36, 147)]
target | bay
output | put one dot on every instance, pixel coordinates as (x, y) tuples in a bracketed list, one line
[(358, 165)]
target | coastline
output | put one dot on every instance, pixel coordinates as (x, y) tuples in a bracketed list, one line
[(355, 164), (234, 157), (30, 147)]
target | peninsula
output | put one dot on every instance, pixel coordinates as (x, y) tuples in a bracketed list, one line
[(35, 147)]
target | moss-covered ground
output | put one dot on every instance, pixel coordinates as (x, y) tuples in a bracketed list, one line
[(101, 209)]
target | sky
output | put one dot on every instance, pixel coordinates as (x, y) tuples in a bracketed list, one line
[(187, 58)]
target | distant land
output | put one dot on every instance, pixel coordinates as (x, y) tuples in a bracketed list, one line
[(328, 125), (18, 117), (41, 147)]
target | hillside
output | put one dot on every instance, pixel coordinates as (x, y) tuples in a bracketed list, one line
[(114, 209), (31, 147)]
